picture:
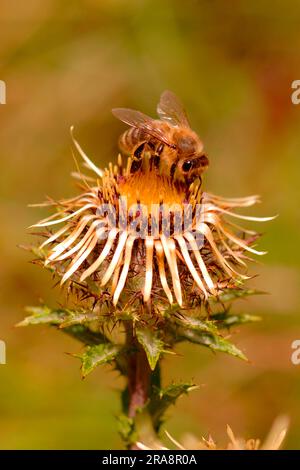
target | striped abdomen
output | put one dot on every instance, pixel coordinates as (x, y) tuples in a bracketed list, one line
[(135, 142), (130, 139)]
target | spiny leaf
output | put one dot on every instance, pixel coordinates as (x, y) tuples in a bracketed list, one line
[(94, 356), (58, 316), (85, 335), (196, 324), (43, 315), (151, 343), (169, 310), (66, 320), (161, 399), (227, 321), (229, 295), (78, 318), (129, 314), (37, 251), (213, 341)]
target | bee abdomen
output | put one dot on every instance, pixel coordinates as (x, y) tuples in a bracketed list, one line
[(130, 139)]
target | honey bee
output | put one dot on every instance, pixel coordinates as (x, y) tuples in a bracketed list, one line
[(176, 150)]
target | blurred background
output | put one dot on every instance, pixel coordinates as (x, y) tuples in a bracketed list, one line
[(232, 64)]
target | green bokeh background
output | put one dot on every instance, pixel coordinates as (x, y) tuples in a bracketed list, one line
[(232, 63)]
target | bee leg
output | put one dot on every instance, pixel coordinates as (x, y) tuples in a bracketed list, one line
[(138, 153), (137, 158), (135, 165), (154, 159)]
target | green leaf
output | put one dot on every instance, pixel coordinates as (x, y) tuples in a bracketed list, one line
[(85, 335), (126, 429), (196, 324), (226, 321), (68, 320), (151, 343), (94, 356), (213, 341), (78, 318), (43, 315), (229, 295), (57, 316), (161, 399), (40, 253)]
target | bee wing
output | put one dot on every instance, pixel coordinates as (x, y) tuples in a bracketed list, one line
[(141, 121), (170, 109)]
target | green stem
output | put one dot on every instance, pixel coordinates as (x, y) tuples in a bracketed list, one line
[(139, 374), (139, 387)]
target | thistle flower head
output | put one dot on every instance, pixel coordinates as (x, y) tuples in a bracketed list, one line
[(142, 237), (157, 255), (273, 441)]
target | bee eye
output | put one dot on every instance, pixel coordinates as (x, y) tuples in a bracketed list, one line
[(187, 165)]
